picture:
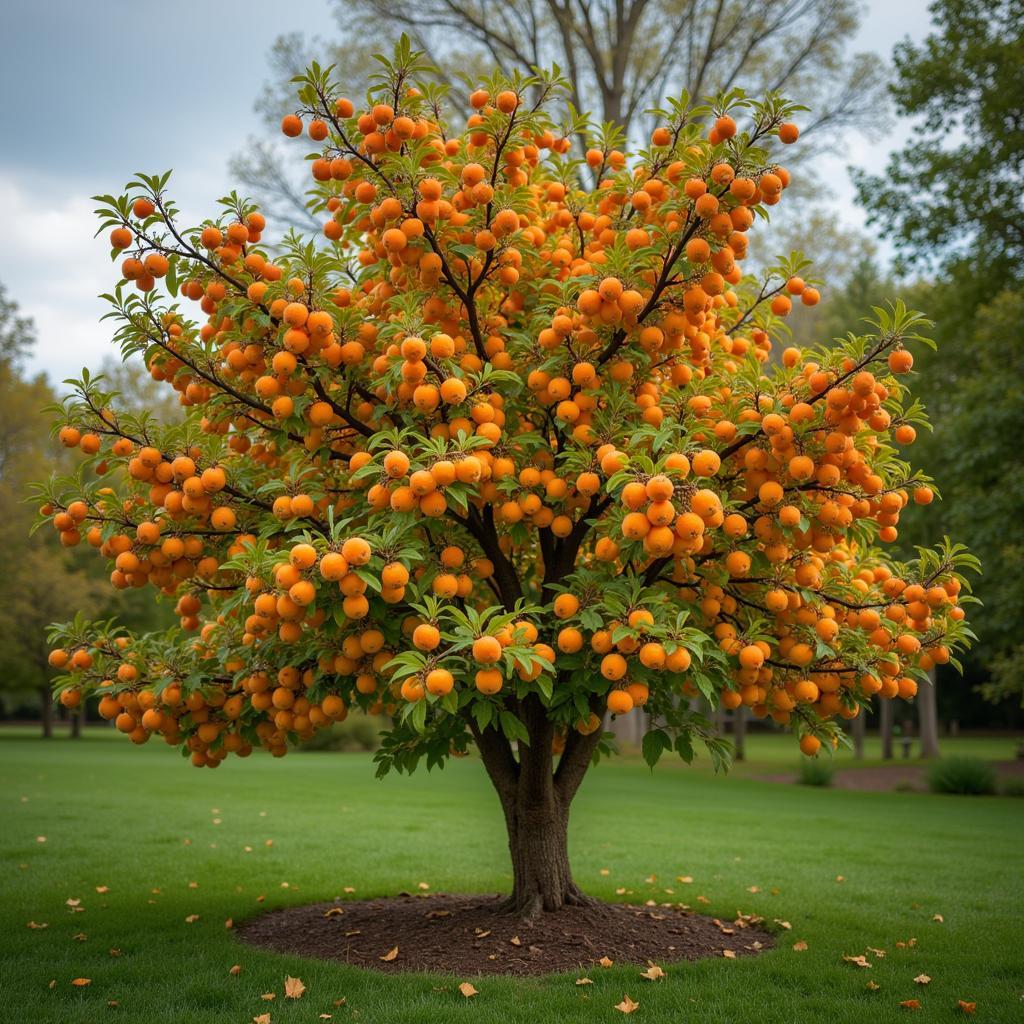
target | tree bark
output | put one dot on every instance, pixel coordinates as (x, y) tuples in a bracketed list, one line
[(46, 711), (885, 722), (535, 799), (77, 721), (928, 717), (857, 727), (739, 729)]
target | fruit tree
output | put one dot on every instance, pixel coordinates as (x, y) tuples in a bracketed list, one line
[(512, 446)]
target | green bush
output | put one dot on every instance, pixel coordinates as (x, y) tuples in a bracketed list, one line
[(357, 732), (969, 776), (816, 772)]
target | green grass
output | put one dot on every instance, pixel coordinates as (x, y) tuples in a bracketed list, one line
[(117, 817)]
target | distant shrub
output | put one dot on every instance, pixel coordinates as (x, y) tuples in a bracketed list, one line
[(969, 776), (1012, 787), (357, 732), (816, 772)]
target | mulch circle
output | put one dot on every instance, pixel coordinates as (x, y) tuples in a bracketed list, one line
[(467, 936)]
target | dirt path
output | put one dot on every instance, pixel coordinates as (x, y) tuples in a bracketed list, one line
[(884, 778)]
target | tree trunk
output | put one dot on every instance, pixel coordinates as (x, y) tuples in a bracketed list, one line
[(46, 711), (928, 717), (77, 721), (885, 721), (739, 729), (535, 798), (857, 727)]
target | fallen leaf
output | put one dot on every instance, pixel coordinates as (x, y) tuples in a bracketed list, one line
[(334, 912), (872, 986), (685, 879), (880, 953), (80, 937), (516, 941), (236, 970), (785, 925), (922, 979), (349, 889), (262, 1018), (840, 878), (860, 961), (604, 871), (81, 982), (268, 997), (729, 954), (938, 917), (53, 983), (605, 961), (390, 955), (229, 923), (113, 1003), (114, 951), (627, 1005), (423, 885), (191, 919), (753, 888), (467, 990), (911, 1004), (293, 987), (962, 1004), (584, 981), (800, 946), (482, 934), (323, 1016), (36, 926), (71, 902), (40, 839), (653, 973), (101, 889)]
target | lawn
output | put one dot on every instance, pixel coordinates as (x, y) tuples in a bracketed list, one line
[(847, 870)]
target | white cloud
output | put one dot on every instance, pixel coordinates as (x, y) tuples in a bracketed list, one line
[(54, 269)]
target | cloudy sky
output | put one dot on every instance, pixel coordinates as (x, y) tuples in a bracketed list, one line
[(95, 91)]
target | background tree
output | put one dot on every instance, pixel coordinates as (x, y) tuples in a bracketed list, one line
[(506, 454), (951, 203), (620, 57), (43, 582)]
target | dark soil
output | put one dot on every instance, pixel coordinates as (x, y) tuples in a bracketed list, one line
[(468, 936)]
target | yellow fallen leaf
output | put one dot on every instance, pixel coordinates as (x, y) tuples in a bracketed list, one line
[(389, 956), (938, 918), (627, 1005), (880, 953), (81, 982), (293, 987), (922, 979), (729, 954), (800, 946), (860, 961), (685, 879), (653, 973), (423, 885), (467, 990), (35, 926), (840, 878), (69, 902), (334, 912), (753, 888), (80, 937), (966, 1007), (268, 997), (323, 1016), (236, 970), (101, 889), (191, 919), (516, 941), (113, 1003), (604, 871), (785, 925), (584, 981), (229, 923), (40, 839), (872, 986), (262, 1018), (605, 961)]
